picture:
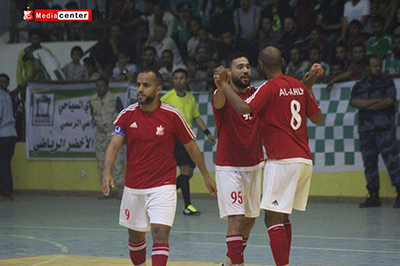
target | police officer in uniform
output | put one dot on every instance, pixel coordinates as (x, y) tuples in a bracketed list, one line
[(375, 98), (105, 107)]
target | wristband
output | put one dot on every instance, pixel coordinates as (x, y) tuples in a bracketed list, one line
[(206, 132)]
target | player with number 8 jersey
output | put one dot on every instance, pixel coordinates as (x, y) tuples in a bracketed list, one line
[(282, 104)]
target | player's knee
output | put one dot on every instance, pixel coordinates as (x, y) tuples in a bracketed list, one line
[(272, 218), (160, 233), (236, 222)]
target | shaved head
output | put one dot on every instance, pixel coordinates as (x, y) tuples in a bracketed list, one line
[(271, 58)]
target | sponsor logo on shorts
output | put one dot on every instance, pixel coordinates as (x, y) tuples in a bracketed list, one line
[(275, 202)]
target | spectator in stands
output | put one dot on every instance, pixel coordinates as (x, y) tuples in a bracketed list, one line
[(356, 69), (247, 20), (25, 60), (328, 19), (195, 73), (340, 54), (396, 26), (306, 15), (354, 10), (195, 24), (297, 66), (167, 59), (315, 56), (183, 26), (149, 59), (231, 44), (130, 18), (211, 65), (106, 51), (379, 44), (375, 99), (194, 6), (162, 42), (116, 8), (202, 56), (266, 35), (214, 47), (220, 20), (355, 35), (161, 16), (74, 70), (315, 39), (278, 10), (124, 70), (8, 136), (385, 9), (336, 68), (292, 36), (90, 66), (45, 62), (391, 64)]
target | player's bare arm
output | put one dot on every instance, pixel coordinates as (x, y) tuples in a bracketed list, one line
[(219, 96), (197, 158), (221, 77), (200, 123), (109, 160)]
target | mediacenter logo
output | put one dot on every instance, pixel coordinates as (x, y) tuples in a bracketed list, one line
[(54, 15)]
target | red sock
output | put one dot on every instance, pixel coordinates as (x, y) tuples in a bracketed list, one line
[(288, 228), (279, 244), (160, 254), (137, 252), (235, 248)]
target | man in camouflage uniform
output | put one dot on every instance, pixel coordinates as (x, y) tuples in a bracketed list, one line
[(375, 97), (105, 108)]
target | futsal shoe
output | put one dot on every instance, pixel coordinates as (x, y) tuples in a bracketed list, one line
[(396, 204), (191, 211), (371, 201)]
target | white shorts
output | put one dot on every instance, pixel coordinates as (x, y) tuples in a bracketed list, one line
[(286, 186), (140, 208), (239, 192)]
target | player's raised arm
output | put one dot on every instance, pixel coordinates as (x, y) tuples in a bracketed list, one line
[(219, 96), (197, 158), (221, 77), (311, 76)]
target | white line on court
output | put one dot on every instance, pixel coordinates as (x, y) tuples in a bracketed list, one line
[(63, 248), (48, 261), (304, 248), (198, 233)]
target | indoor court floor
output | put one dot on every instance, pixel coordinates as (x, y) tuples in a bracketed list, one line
[(68, 230)]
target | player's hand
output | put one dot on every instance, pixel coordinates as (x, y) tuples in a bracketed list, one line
[(221, 74), (106, 182), (211, 186), (317, 68), (211, 139)]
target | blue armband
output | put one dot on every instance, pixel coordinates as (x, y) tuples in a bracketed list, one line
[(119, 131)]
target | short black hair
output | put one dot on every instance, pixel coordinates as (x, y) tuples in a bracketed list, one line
[(356, 23), (103, 79), (369, 57), (168, 51), (77, 49), (157, 74), (90, 61), (150, 48), (180, 70), (162, 25), (378, 19), (34, 31), (192, 59), (234, 56), (359, 44), (3, 75)]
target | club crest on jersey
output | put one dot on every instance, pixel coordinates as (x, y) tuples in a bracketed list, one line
[(160, 130), (247, 117)]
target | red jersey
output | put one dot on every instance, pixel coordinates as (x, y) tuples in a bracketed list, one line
[(239, 136), (150, 141), (283, 104)]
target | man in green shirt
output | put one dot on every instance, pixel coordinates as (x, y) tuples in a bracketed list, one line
[(391, 64), (185, 102), (379, 44)]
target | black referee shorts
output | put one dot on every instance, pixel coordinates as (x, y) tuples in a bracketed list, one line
[(182, 157)]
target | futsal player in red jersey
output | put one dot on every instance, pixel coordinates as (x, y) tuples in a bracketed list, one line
[(283, 105), (149, 129), (237, 171)]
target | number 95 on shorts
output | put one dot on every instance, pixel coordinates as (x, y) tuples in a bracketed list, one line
[(239, 192)]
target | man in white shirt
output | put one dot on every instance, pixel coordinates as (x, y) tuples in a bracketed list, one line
[(167, 19), (162, 42), (355, 10), (169, 67)]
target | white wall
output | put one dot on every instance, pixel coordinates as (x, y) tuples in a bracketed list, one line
[(9, 56)]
